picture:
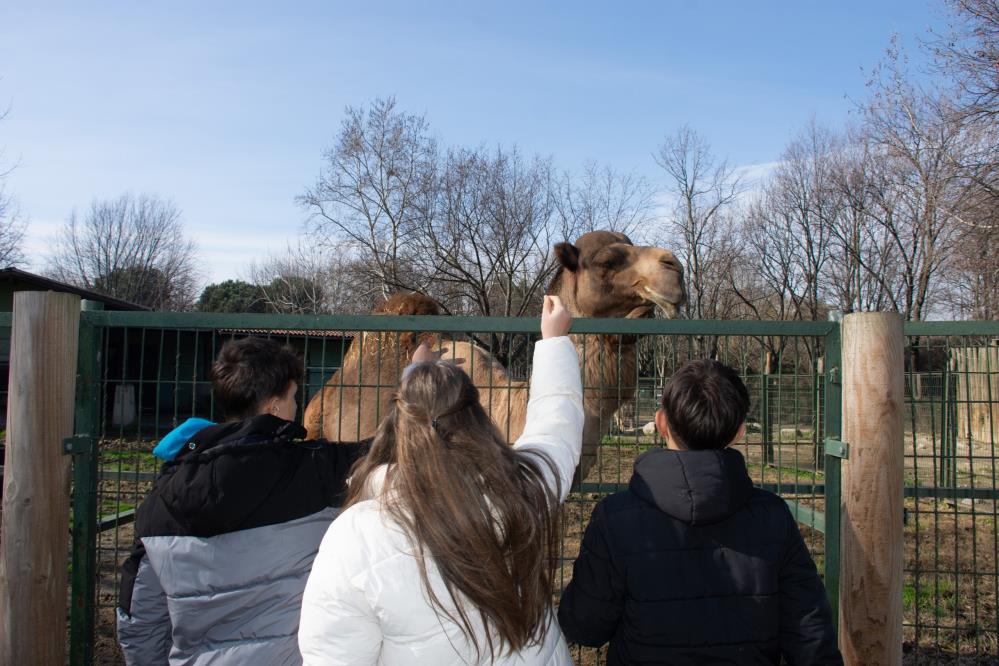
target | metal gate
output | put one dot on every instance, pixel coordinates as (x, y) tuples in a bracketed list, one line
[(141, 373)]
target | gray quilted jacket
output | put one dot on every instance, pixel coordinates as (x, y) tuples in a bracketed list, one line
[(225, 543)]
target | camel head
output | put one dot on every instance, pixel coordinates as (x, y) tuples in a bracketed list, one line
[(603, 274)]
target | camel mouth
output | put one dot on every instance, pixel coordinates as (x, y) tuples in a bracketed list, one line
[(670, 310), (669, 307), (646, 311)]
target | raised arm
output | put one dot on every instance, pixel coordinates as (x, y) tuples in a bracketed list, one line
[(554, 424)]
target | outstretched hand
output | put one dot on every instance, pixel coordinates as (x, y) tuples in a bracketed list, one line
[(424, 354), (555, 319)]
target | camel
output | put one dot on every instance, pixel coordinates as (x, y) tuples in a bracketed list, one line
[(602, 274)]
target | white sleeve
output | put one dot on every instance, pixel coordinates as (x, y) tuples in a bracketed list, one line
[(555, 410), (338, 625)]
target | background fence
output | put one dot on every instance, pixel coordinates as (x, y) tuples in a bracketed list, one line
[(142, 373), (951, 582)]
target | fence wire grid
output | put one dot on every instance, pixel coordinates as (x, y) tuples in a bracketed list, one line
[(151, 371), (951, 583)]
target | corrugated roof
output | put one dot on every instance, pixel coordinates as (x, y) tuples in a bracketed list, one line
[(298, 333)]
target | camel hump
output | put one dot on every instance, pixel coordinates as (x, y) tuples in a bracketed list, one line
[(408, 303)]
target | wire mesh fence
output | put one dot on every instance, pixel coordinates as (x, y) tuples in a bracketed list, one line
[(951, 583), (141, 374), (154, 372), (150, 372)]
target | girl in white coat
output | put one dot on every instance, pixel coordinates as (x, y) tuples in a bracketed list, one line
[(446, 552)]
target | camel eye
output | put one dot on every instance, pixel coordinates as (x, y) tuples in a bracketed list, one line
[(609, 260)]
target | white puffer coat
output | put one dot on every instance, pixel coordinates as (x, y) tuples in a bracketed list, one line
[(364, 602)]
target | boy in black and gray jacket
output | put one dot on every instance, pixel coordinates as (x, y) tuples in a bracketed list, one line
[(692, 564), (226, 538)]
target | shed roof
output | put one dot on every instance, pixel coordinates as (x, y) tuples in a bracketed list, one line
[(25, 281), (291, 332)]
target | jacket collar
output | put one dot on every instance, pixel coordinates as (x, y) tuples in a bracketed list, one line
[(256, 428), (696, 487)]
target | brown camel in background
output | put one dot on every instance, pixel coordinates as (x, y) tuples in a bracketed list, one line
[(602, 274)]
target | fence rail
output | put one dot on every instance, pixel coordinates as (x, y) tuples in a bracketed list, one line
[(148, 371), (160, 362)]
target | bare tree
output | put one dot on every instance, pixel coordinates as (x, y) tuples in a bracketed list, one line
[(374, 190), (12, 228), (771, 288), (12, 223), (310, 278), (470, 227), (787, 231), (974, 279), (602, 198), (969, 56), (921, 191), (487, 245), (700, 231), (132, 248), (970, 53), (864, 272)]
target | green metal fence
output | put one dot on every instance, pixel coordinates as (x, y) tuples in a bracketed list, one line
[(951, 583), (142, 373)]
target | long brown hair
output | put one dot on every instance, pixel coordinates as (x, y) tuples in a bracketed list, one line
[(483, 511)]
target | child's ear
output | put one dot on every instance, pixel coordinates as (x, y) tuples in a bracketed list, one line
[(662, 425), (739, 435)]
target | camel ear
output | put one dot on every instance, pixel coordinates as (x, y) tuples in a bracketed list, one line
[(568, 256)]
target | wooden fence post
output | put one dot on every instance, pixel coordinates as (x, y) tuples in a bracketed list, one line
[(34, 539), (870, 629)]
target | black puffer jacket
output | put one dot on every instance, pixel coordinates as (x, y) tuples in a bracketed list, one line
[(692, 565), (224, 545)]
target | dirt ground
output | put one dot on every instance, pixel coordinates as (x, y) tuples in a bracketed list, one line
[(951, 583)]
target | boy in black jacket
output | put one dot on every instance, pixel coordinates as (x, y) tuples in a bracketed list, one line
[(692, 564), (226, 537)]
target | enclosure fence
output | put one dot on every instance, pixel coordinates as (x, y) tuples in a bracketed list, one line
[(141, 374), (951, 584)]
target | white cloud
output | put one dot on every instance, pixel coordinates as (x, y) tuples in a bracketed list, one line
[(753, 175)]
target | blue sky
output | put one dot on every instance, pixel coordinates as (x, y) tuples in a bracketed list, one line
[(225, 109)]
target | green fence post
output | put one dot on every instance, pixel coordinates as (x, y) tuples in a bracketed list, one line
[(951, 433), (818, 441), (766, 432), (86, 421), (947, 464), (833, 390)]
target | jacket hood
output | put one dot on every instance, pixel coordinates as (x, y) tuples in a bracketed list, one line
[(218, 478), (170, 446), (696, 487)]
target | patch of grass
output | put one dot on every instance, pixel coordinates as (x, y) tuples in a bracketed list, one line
[(110, 506), (931, 597), (129, 461), (756, 469), (629, 440), (820, 563)]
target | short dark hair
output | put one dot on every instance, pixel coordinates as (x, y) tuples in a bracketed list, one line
[(705, 403), (251, 370)]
